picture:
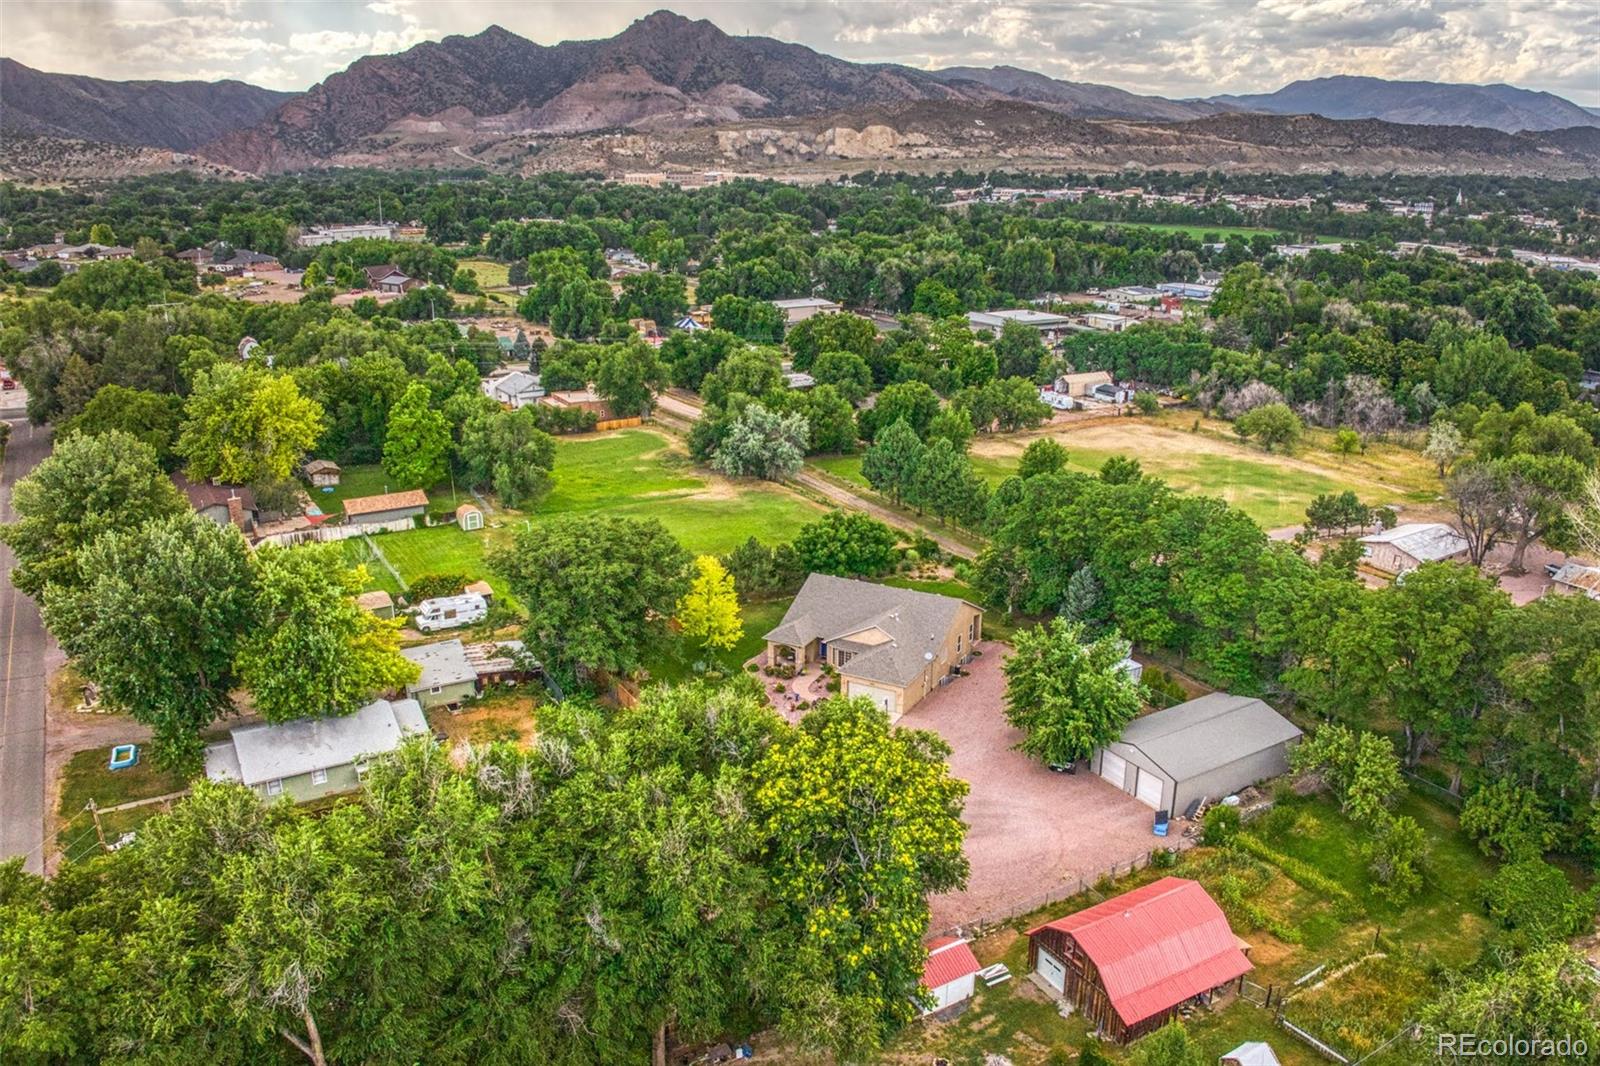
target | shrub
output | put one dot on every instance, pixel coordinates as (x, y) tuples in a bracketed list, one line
[(1533, 898), (431, 586), (1164, 859), (1220, 825)]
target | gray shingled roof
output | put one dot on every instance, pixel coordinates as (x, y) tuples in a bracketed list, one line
[(1201, 735), (443, 663), (829, 608), (269, 752)]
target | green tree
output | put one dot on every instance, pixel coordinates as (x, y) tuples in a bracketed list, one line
[(627, 377), (416, 444), (507, 453), (1068, 694), (244, 424), (862, 823), (762, 443), (157, 622), (752, 372), (945, 485), (1043, 456), (1361, 769), (831, 419), (599, 589), (1020, 352), (912, 401), (846, 371), (1508, 819), (846, 544), (891, 460), (1347, 441), (709, 611), (153, 418), (90, 485), (310, 651), (1546, 994), (754, 320), (1273, 424), (100, 233), (660, 297)]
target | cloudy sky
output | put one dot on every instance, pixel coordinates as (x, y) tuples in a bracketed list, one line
[(1167, 47)]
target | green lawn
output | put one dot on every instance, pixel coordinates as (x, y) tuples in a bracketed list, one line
[(88, 776), (631, 473), (638, 473), (370, 480), (759, 620), (491, 275)]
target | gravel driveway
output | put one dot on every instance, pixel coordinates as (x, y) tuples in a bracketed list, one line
[(1032, 833)]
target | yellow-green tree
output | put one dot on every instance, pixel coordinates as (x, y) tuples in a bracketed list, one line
[(709, 611)]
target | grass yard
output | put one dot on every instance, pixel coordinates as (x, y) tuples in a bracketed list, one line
[(491, 275), (638, 473), (759, 620), (370, 480), (88, 776), (1299, 892), (1272, 488), (634, 473)]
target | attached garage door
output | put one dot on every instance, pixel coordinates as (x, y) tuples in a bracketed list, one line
[(883, 697), (1149, 789), (1113, 768), (1051, 969)]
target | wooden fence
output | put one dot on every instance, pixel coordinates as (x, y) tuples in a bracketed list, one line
[(617, 423)]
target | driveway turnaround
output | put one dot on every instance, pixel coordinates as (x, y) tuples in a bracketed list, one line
[(1032, 834)]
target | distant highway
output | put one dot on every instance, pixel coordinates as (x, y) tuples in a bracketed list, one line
[(23, 647)]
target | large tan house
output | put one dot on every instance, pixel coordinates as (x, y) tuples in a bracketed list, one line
[(893, 646)]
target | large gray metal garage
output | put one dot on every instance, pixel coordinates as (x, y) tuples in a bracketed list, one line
[(1204, 749)]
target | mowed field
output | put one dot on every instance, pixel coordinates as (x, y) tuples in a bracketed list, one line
[(1270, 487), (636, 473)]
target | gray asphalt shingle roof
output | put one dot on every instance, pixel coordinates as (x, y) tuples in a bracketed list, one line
[(832, 608), (1203, 734)]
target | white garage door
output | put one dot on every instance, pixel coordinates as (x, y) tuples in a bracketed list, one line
[(1051, 969), (1149, 789), (1113, 768), (881, 696)]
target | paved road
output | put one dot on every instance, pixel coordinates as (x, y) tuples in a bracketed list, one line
[(23, 649)]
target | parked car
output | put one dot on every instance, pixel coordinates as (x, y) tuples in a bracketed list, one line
[(450, 612)]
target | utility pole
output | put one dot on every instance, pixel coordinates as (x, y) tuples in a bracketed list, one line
[(99, 831), (166, 310)]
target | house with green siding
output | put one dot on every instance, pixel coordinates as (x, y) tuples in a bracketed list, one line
[(448, 675), (313, 757)]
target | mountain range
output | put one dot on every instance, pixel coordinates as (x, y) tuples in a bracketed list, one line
[(499, 99)]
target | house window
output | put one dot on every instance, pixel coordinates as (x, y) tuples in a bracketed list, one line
[(841, 657), (958, 643), (275, 787), (436, 689), (319, 777)]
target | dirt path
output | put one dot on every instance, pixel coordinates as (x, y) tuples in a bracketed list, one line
[(845, 498)]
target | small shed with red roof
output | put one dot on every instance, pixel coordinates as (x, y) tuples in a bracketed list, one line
[(1129, 963), (949, 973)]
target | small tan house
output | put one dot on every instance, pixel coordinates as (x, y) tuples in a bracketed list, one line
[(893, 646), (469, 517), (323, 473)]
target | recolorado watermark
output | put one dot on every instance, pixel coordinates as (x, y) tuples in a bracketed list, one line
[(1504, 1048)]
